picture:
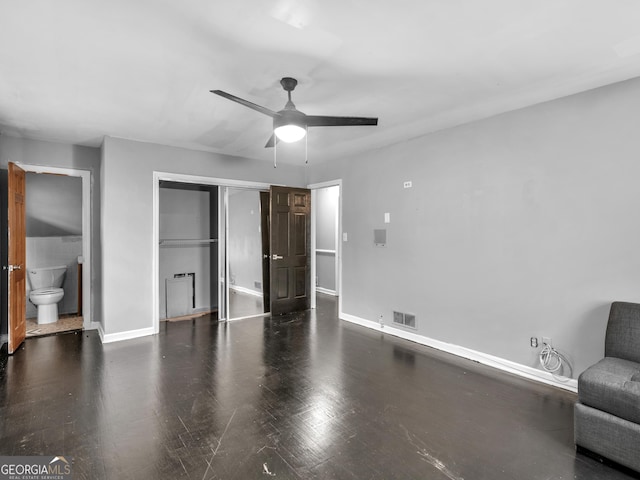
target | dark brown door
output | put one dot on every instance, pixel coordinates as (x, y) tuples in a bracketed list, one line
[(266, 253), (17, 257), (290, 212)]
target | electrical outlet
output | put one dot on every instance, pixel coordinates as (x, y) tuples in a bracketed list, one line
[(381, 322), (407, 184), (547, 341), (534, 342)]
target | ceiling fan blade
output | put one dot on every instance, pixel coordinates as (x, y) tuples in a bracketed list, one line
[(324, 121), (272, 141), (246, 103)]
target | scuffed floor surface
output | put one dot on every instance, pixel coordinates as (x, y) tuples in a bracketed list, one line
[(304, 396)]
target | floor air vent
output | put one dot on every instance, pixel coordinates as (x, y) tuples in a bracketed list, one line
[(404, 319)]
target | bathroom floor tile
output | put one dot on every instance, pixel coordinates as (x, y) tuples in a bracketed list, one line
[(65, 323)]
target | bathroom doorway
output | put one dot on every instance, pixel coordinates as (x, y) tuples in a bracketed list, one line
[(53, 208), (58, 219)]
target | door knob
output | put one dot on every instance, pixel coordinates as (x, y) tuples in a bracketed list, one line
[(276, 257), (15, 267)]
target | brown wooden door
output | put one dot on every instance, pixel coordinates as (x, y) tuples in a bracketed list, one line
[(266, 253), (290, 212), (17, 257)]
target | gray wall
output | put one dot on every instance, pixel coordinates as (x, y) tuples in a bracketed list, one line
[(53, 205), (245, 239), (36, 152), (519, 225), (127, 217)]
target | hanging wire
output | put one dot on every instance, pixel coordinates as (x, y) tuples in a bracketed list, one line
[(554, 362)]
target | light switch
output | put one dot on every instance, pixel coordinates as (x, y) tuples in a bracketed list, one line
[(344, 237), (387, 217)]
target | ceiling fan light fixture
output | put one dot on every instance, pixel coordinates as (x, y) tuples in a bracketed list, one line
[(290, 124), (290, 133)]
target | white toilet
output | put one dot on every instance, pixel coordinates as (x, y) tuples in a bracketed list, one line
[(46, 285)]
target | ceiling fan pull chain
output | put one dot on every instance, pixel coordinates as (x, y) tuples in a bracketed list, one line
[(306, 146), (275, 154)]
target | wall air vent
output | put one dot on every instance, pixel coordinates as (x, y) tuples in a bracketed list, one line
[(410, 320), (404, 319)]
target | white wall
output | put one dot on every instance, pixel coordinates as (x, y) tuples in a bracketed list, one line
[(127, 220), (520, 225)]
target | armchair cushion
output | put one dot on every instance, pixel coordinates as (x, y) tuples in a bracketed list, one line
[(613, 386)]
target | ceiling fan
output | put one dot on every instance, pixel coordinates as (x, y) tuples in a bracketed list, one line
[(290, 124)]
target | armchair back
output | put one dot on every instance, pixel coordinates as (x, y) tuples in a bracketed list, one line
[(622, 339)]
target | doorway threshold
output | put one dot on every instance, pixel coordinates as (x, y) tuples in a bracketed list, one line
[(191, 316)]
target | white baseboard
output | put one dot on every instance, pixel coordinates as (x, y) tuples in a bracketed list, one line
[(128, 335), (326, 291), (489, 360), (245, 290)]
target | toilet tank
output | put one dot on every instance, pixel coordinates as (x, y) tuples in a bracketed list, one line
[(46, 277)]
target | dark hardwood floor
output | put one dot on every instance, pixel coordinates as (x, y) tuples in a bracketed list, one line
[(304, 396)]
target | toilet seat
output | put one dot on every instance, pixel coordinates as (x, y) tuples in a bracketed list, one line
[(47, 291)]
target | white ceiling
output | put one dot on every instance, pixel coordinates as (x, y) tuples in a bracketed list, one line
[(76, 70)]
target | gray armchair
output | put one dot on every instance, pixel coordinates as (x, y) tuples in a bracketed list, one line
[(607, 414)]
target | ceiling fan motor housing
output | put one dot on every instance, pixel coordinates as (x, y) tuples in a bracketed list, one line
[(288, 83)]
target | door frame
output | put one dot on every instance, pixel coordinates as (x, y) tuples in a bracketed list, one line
[(221, 183), (314, 187), (85, 176)]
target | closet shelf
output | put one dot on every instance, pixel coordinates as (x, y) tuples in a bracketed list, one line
[(187, 242)]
